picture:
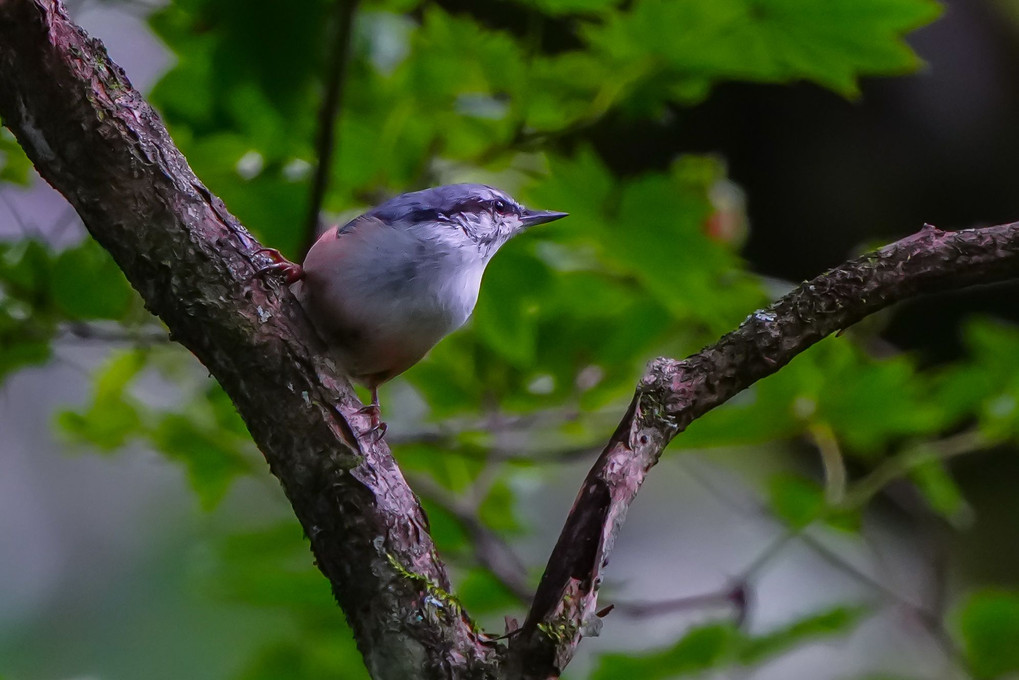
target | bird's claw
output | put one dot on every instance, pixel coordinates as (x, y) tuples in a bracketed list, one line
[(378, 428), (290, 271), (372, 411), (378, 431)]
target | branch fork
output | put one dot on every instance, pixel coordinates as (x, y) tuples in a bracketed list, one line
[(92, 136)]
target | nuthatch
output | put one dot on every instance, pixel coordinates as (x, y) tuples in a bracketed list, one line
[(384, 288)]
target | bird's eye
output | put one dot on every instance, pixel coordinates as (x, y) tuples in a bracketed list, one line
[(500, 206)]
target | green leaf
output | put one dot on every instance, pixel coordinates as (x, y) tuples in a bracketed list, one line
[(212, 459), (795, 500), (580, 185), (870, 402), (659, 238), (480, 592), (317, 650), (113, 416), (445, 529), (14, 164), (88, 284), (273, 567), (835, 621), (507, 311), (25, 268), (831, 43), (498, 510), (270, 567), (990, 381), (223, 411), (268, 202), (455, 473), (447, 378), (989, 624), (762, 414), (945, 497), (719, 645), (572, 6), (702, 648), (19, 352)]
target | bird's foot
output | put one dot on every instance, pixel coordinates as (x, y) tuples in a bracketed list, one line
[(378, 432), (378, 428), (290, 271)]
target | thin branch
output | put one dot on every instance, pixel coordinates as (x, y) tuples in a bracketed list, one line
[(146, 335), (27, 231), (329, 113), (451, 445), (896, 467), (834, 463), (448, 436), (735, 596), (929, 617), (672, 393)]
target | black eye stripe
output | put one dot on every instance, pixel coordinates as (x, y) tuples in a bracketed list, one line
[(470, 205), (478, 205)]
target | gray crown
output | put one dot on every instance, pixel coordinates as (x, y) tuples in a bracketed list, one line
[(441, 201)]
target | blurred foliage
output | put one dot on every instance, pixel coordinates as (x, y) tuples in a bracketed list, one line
[(270, 568), (14, 164), (989, 624), (568, 314), (724, 645)]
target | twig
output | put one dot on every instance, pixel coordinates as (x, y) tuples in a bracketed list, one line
[(834, 464), (735, 596), (503, 454), (970, 441), (447, 436), (27, 231), (149, 335), (929, 617), (343, 21)]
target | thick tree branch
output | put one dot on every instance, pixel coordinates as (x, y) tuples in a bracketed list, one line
[(91, 136), (672, 394)]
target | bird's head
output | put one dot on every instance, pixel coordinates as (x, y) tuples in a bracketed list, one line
[(463, 216)]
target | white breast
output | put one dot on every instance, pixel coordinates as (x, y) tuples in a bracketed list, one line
[(384, 297)]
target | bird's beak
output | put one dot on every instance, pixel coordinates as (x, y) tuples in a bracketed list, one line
[(531, 218)]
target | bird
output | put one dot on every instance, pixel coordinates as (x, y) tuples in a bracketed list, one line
[(387, 286)]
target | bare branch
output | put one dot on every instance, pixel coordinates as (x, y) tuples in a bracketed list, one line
[(114, 332), (929, 616), (896, 467), (735, 596), (671, 394)]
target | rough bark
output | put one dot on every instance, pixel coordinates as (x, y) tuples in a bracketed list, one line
[(92, 137)]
